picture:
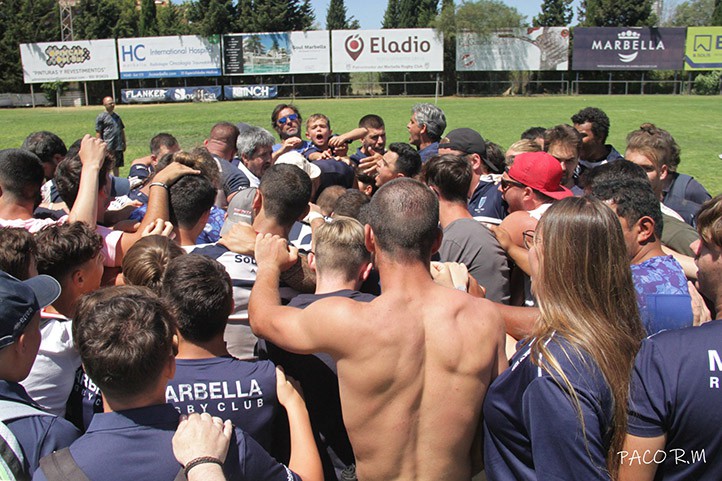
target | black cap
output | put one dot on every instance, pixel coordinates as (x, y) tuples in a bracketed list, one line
[(468, 141)]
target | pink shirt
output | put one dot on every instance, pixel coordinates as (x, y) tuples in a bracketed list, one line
[(111, 238)]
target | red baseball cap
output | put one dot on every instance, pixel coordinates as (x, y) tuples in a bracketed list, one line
[(541, 172)]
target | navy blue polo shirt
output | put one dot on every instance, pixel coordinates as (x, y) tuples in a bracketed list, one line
[(531, 427), (319, 380), (242, 391), (675, 390), (486, 201), (135, 444), (38, 436), (335, 172), (429, 151), (84, 402)]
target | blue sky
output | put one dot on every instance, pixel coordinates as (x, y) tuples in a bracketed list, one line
[(370, 13)]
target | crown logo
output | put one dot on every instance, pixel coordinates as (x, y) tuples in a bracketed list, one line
[(629, 35)]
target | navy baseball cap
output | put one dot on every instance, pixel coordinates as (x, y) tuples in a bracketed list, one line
[(20, 300)]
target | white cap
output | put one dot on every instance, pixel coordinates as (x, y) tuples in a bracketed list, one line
[(297, 159)]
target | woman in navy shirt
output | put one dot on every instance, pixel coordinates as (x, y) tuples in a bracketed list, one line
[(559, 411)]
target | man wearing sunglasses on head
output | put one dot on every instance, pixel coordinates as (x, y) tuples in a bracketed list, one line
[(286, 120)]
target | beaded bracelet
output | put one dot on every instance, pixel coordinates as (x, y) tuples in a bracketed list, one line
[(202, 460)]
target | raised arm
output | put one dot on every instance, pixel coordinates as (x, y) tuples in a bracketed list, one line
[(303, 331), (92, 155), (158, 202), (355, 134)]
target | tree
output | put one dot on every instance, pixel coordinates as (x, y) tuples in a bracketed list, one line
[(554, 13), (211, 17), (616, 13), (427, 12), (171, 21), (299, 15), (717, 14), (105, 19), (336, 15), (410, 13), (23, 21), (693, 13), (481, 17), (128, 22), (279, 15), (391, 16), (245, 20), (148, 22)]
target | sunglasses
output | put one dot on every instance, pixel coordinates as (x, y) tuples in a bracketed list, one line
[(506, 184), (287, 118)]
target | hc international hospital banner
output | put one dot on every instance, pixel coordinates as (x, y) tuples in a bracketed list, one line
[(163, 57), (77, 61), (628, 48), (276, 53), (540, 48), (703, 49), (388, 50)]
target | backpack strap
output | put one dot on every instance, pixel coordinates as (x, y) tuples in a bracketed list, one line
[(10, 410), (12, 459), (61, 466)]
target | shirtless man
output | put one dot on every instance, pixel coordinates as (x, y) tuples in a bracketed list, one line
[(413, 371)]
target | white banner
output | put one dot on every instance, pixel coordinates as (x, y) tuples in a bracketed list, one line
[(69, 61), (276, 53), (540, 48), (158, 57), (388, 50)]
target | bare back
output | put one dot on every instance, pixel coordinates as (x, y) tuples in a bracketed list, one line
[(414, 378)]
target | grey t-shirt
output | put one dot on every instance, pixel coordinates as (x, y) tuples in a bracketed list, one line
[(471, 243), (111, 128)]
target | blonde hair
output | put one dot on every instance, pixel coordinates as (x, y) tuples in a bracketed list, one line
[(709, 222), (339, 246), (585, 293), (519, 147)]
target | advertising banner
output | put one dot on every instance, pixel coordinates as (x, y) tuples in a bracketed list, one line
[(69, 61), (628, 48), (162, 57), (276, 53), (177, 94), (250, 92), (388, 50), (541, 48), (704, 48)]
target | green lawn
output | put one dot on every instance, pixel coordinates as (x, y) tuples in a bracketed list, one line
[(696, 122)]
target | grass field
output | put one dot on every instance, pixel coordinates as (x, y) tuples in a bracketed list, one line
[(695, 122)]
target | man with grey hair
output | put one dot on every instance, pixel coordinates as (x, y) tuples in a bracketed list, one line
[(254, 147), (426, 127)]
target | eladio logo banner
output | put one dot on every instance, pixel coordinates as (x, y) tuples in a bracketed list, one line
[(388, 50)]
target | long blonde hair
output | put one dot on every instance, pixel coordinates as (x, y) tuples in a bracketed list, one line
[(585, 293)]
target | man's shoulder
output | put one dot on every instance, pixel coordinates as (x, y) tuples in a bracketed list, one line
[(226, 365), (467, 226)]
